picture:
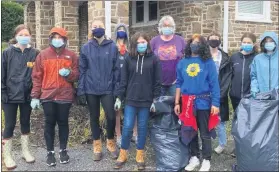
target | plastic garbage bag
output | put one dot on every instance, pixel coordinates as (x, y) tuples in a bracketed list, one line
[(170, 153), (255, 131)]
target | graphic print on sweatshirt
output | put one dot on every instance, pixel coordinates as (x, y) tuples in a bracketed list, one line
[(167, 52), (193, 69)]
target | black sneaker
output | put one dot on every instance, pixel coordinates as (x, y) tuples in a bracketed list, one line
[(64, 157), (51, 161)]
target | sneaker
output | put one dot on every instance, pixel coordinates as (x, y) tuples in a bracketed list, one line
[(200, 147), (219, 149), (205, 165), (51, 161), (118, 142), (233, 153), (64, 157), (193, 163)]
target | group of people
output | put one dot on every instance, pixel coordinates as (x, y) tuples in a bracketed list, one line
[(134, 71)]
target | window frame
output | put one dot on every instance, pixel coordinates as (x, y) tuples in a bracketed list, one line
[(261, 18), (146, 21)]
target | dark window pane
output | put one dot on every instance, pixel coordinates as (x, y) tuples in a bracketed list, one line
[(139, 11), (153, 10)]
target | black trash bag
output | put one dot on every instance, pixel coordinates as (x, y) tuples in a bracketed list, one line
[(255, 132), (170, 153)]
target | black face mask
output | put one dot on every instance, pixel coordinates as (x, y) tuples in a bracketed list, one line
[(195, 48), (214, 43)]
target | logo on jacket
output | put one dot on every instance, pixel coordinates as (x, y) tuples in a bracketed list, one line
[(30, 64), (193, 69), (68, 57)]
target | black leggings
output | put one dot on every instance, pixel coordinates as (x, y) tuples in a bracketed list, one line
[(56, 113), (107, 101), (10, 112), (202, 121)]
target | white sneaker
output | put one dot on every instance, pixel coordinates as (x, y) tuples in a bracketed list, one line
[(205, 165), (193, 163), (219, 149)]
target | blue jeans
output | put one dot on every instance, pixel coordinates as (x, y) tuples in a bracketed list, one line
[(222, 136), (130, 113), (168, 90)]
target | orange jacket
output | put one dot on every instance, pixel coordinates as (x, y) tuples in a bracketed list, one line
[(47, 83)]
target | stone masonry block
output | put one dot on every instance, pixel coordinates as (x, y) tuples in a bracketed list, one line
[(213, 12)]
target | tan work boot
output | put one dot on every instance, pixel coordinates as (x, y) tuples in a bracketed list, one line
[(97, 150), (8, 159), (112, 148), (122, 158), (25, 149), (140, 159)]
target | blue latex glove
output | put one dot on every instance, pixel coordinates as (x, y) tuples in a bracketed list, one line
[(254, 94), (64, 72), (35, 104), (152, 108)]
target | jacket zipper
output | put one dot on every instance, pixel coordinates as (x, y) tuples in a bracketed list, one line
[(57, 79), (269, 75), (243, 65)]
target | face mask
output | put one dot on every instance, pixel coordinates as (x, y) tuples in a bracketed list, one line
[(247, 47), (57, 43), (141, 47), (195, 48), (98, 32), (214, 43), (23, 40), (121, 34), (167, 31), (269, 46)]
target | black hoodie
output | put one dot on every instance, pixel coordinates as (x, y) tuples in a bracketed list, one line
[(240, 79), (140, 80)]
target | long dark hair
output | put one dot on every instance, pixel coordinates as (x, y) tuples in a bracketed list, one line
[(133, 52), (253, 38), (204, 52), (18, 29)]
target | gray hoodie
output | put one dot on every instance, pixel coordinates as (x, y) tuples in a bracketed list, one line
[(126, 30)]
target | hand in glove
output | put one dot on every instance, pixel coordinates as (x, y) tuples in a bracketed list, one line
[(117, 104), (64, 72), (81, 100), (254, 94), (152, 108), (35, 104)]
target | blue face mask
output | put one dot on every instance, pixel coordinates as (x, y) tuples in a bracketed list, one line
[(23, 40), (141, 47), (98, 32), (167, 31), (57, 43), (269, 46), (121, 34), (195, 48), (247, 47)]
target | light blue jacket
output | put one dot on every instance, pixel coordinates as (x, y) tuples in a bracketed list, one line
[(264, 68)]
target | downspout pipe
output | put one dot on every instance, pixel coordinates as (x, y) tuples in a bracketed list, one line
[(226, 26), (108, 18)]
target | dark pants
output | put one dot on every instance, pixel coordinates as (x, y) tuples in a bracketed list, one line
[(107, 101), (130, 115), (202, 120), (10, 112), (56, 112), (235, 102)]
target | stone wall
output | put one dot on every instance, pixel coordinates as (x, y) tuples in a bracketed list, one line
[(237, 28), (30, 20), (119, 14), (96, 11), (83, 23), (44, 22)]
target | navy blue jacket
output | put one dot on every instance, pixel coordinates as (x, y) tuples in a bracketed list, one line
[(99, 68)]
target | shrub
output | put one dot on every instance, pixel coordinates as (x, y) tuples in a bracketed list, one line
[(12, 15)]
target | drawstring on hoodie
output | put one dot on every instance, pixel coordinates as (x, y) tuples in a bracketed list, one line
[(141, 65)]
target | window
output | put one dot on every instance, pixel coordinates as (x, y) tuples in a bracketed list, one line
[(255, 11), (144, 13)]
